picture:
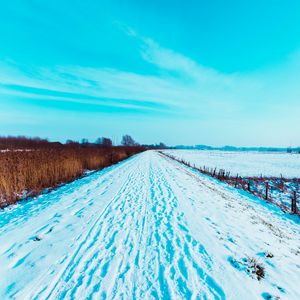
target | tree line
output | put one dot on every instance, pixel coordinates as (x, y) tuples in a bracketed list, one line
[(23, 142), (127, 140)]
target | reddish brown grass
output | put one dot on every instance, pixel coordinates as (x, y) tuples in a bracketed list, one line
[(27, 173)]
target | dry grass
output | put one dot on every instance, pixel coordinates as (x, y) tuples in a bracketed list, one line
[(26, 173), (256, 268)]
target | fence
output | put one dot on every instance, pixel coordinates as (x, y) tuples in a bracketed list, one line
[(268, 188)]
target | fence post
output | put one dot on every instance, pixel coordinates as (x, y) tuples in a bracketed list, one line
[(267, 191), (236, 180), (249, 187), (294, 203)]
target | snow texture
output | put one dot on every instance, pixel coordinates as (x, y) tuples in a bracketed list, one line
[(244, 163), (148, 228)]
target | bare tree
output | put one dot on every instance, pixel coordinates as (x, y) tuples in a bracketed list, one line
[(162, 145), (98, 141), (71, 142), (127, 140), (105, 142)]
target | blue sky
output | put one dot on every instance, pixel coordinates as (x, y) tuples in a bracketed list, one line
[(183, 72)]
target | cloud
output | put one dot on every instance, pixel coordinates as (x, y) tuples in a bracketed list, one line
[(180, 86)]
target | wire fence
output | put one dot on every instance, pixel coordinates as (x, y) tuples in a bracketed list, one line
[(283, 192)]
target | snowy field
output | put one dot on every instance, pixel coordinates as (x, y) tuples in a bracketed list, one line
[(148, 228), (244, 163)]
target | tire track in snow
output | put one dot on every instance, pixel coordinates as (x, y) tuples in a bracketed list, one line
[(181, 258), (139, 247), (146, 229), (239, 228), (73, 269), (68, 205)]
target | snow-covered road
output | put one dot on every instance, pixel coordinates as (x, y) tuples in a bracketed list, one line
[(147, 228)]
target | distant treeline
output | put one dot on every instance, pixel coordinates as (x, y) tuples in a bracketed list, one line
[(233, 148), (23, 142), (29, 165)]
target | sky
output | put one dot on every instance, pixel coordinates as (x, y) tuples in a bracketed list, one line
[(179, 72)]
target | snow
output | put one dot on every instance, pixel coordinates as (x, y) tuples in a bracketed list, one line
[(147, 228), (15, 150), (244, 163)]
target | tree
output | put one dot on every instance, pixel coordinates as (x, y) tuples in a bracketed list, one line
[(162, 145), (127, 140), (105, 142), (71, 142), (84, 141), (98, 141)]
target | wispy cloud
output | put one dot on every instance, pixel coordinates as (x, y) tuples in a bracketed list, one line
[(179, 85)]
